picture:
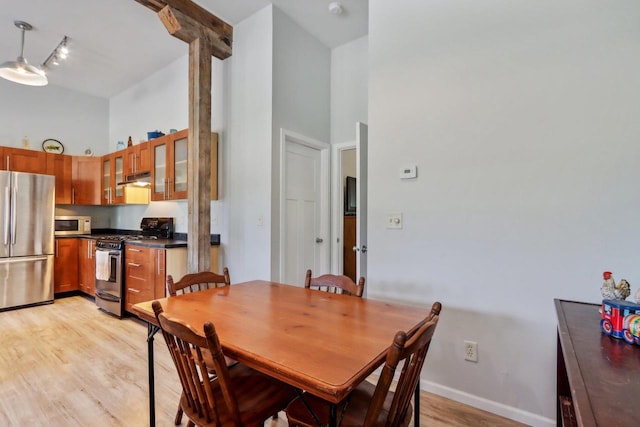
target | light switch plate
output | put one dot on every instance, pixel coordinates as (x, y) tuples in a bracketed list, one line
[(394, 221)]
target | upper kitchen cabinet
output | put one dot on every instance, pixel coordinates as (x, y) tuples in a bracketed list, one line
[(112, 174), (20, 160), (169, 166), (59, 166), (85, 180), (138, 159)]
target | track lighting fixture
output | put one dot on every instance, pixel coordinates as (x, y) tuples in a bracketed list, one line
[(20, 71)]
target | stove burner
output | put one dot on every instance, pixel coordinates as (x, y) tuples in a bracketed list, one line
[(117, 237)]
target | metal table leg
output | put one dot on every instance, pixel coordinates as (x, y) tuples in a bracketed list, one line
[(416, 406), (332, 415), (151, 331)]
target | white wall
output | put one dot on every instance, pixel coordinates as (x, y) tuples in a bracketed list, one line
[(522, 118), (248, 79), (301, 80), (349, 86), (77, 120), (301, 101), (161, 102)]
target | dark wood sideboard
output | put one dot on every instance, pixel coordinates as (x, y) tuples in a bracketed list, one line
[(598, 376)]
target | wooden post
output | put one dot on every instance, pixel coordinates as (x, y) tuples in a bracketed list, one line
[(207, 36), (199, 160)]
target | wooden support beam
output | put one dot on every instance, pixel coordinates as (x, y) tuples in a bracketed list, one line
[(221, 33), (199, 160), (207, 36), (188, 29), (199, 155)]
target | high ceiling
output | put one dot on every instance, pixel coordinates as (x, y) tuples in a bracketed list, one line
[(116, 43)]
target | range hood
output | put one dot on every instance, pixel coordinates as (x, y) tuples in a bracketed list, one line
[(141, 179)]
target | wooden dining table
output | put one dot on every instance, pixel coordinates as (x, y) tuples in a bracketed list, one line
[(319, 342)]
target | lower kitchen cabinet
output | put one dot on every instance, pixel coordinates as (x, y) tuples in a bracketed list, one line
[(65, 265), (139, 275), (147, 269), (87, 266)]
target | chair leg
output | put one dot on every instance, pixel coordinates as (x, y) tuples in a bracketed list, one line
[(191, 424), (178, 419)]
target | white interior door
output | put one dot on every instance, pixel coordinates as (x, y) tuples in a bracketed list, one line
[(362, 135), (304, 211)]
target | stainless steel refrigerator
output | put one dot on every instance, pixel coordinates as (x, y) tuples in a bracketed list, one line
[(27, 206)]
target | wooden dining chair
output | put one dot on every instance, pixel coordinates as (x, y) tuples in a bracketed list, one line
[(233, 397), (194, 282), (336, 284), (376, 406)]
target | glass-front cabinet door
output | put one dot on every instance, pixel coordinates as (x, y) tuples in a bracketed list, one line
[(106, 180), (159, 168), (112, 174), (118, 175), (178, 167), (169, 166)]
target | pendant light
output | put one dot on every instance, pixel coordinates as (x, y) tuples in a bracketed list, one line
[(20, 71)]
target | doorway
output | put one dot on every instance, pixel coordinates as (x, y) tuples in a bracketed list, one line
[(349, 159), (304, 206), (343, 257)]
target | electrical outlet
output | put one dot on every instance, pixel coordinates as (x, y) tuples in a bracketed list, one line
[(471, 351)]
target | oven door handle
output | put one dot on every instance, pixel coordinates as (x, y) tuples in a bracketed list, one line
[(106, 296), (110, 252)]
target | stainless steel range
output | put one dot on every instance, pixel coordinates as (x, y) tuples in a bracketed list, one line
[(110, 262)]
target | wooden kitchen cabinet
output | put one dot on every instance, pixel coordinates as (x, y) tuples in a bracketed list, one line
[(139, 275), (65, 265), (21, 160), (137, 159), (85, 180), (169, 166), (87, 266), (112, 174), (147, 270), (60, 166)]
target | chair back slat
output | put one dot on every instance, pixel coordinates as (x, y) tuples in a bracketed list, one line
[(410, 350), (222, 370), (195, 282), (337, 284), (186, 348)]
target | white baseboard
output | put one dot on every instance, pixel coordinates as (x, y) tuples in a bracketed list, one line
[(510, 412)]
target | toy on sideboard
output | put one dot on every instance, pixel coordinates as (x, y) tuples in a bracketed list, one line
[(621, 319), (609, 290)]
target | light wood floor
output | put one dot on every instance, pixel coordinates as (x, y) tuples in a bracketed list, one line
[(68, 364)]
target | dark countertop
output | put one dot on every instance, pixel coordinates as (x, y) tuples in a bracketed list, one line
[(158, 243), (179, 242)]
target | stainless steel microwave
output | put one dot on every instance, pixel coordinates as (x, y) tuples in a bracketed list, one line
[(72, 225)]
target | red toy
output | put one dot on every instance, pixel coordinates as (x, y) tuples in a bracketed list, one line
[(621, 319)]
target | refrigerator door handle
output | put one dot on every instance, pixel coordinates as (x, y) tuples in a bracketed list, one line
[(13, 216), (24, 259), (6, 215)]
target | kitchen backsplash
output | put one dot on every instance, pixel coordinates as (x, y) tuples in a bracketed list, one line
[(127, 217)]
